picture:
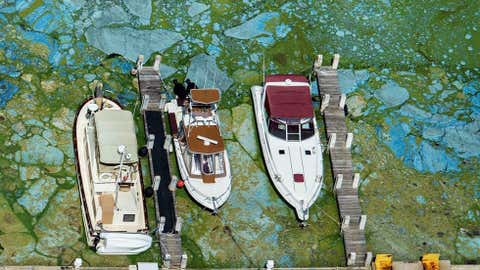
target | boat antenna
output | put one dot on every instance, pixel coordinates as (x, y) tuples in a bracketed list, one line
[(121, 150), (205, 81), (214, 77), (263, 67)]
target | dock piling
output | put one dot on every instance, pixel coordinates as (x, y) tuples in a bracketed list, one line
[(318, 62), (343, 99), (156, 64), (351, 258), (336, 60), (338, 182), (345, 223), (333, 138), (156, 183), (325, 101), (356, 180), (349, 140), (150, 141), (363, 222)]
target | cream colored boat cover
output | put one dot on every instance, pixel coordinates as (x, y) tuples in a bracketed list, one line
[(115, 128)]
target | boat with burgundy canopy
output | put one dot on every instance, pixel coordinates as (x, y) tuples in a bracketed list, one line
[(200, 149), (290, 139), (110, 179)]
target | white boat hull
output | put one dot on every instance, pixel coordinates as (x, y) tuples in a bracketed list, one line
[(281, 168), (211, 196), (112, 241)]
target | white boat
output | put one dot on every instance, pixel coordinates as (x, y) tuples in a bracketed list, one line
[(290, 139), (110, 179), (199, 147)]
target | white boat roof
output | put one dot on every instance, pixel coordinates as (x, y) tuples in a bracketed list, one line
[(115, 128)]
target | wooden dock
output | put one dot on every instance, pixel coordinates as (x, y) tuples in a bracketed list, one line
[(150, 85), (339, 147)]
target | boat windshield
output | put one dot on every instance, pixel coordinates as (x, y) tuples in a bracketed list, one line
[(209, 164), (290, 130)]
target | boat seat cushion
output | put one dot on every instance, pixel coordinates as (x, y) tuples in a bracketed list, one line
[(107, 203)]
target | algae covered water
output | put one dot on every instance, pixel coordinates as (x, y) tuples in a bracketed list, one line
[(409, 69)]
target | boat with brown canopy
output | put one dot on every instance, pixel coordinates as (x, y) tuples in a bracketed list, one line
[(200, 149)]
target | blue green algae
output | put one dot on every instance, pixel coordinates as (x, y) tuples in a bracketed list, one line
[(418, 153)]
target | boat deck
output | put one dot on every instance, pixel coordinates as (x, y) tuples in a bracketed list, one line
[(346, 186)]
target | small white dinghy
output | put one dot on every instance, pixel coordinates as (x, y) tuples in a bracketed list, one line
[(289, 139), (199, 147), (110, 179)]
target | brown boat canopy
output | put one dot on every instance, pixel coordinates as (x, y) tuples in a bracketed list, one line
[(205, 96), (205, 140)]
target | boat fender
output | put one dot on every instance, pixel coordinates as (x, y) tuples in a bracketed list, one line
[(148, 192), (180, 183), (143, 151)]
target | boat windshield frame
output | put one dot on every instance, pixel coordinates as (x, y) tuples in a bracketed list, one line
[(212, 159), (294, 130)]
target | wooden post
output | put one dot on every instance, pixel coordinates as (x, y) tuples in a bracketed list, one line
[(348, 142), (168, 142), (270, 264), (183, 262), (318, 62), (343, 99), (156, 182), (351, 258), (345, 222), (178, 225), (150, 141), (140, 62), (163, 101), (161, 225), (336, 59), (145, 101), (156, 64), (356, 180), (363, 222), (166, 261), (325, 101), (173, 184), (368, 260), (333, 138), (338, 182)]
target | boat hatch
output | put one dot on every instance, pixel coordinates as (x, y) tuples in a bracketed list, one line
[(205, 96)]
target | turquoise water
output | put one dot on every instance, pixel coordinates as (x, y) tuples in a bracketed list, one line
[(409, 68)]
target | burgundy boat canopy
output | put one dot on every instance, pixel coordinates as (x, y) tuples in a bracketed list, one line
[(288, 102)]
